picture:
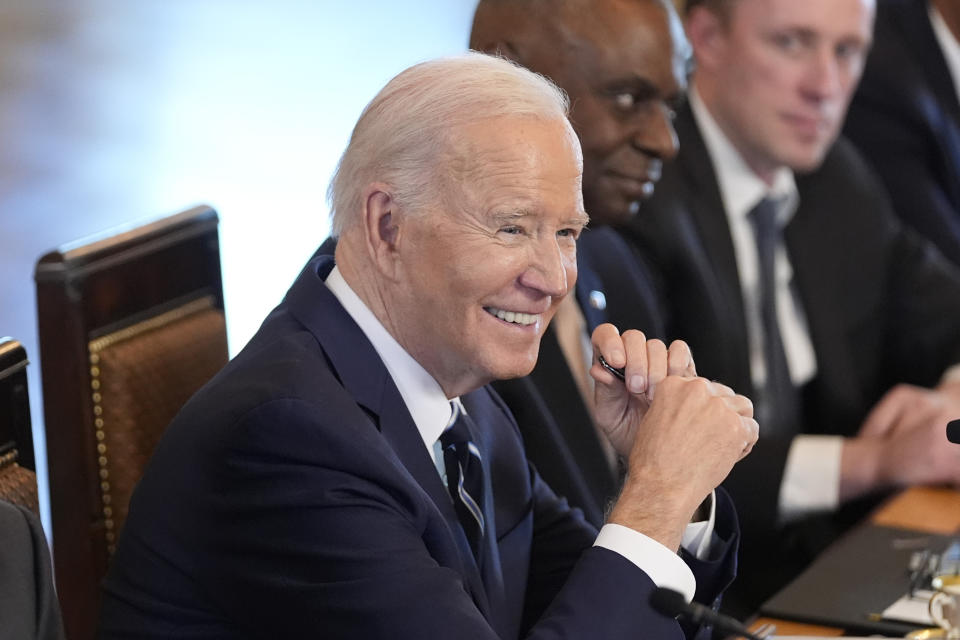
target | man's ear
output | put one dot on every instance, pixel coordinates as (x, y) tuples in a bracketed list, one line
[(382, 221), (706, 32)]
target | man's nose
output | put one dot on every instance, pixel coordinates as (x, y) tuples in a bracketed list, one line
[(656, 136), (547, 270), (823, 78)]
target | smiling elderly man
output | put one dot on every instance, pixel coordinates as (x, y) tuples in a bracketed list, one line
[(349, 474)]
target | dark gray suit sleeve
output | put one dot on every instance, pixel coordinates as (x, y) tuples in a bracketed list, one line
[(28, 604)]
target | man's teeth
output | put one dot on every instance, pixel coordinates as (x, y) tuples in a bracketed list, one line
[(514, 316)]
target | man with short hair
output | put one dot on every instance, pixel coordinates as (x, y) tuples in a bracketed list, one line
[(351, 474), (790, 277), (624, 65)]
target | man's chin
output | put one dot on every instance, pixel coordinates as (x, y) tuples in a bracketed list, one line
[(808, 162), (517, 370), (808, 156)]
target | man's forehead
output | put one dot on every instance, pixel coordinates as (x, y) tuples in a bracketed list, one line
[(512, 138), (618, 37), (518, 163), (822, 15)]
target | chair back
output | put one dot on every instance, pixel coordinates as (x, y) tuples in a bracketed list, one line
[(18, 480), (130, 325)]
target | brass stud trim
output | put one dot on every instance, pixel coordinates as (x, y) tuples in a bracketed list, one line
[(94, 348), (9, 459)]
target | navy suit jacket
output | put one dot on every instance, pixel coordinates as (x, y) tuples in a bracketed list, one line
[(556, 424), (293, 495), (882, 307), (905, 118)]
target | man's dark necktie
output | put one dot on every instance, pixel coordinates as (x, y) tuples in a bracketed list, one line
[(777, 405), (464, 476)]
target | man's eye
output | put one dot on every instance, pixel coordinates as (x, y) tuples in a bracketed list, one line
[(625, 101), (849, 52), (512, 230), (787, 42)]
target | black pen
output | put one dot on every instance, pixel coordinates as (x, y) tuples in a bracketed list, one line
[(615, 371)]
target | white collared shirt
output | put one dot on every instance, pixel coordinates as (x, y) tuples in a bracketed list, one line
[(948, 45), (811, 479), (430, 410)]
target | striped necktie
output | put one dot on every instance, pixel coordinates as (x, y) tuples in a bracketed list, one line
[(464, 468)]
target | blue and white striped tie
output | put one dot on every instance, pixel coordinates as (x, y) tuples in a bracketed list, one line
[(464, 467)]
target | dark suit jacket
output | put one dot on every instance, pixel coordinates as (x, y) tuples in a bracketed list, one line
[(557, 429), (293, 495), (882, 306), (905, 118), (28, 604)]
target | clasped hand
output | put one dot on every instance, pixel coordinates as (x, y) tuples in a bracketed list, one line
[(679, 434)]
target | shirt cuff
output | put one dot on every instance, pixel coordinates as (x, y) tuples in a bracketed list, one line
[(664, 567), (811, 477), (698, 535)]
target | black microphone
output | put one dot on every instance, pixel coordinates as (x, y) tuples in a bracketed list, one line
[(672, 604), (953, 431)]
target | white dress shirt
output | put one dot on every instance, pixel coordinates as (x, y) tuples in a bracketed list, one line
[(430, 409), (811, 480), (948, 45)]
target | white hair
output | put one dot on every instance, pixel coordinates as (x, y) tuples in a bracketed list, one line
[(404, 135)]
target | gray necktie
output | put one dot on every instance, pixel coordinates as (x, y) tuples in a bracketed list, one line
[(777, 405)]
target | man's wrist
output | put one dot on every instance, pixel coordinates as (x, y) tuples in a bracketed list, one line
[(660, 515), (860, 467)]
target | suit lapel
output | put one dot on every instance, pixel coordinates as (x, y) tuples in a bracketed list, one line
[(913, 21), (553, 379), (715, 245), (363, 374), (562, 395), (815, 255), (590, 293), (617, 285)]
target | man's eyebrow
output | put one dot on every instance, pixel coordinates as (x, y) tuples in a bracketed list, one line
[(634, 83), (581, 218), (503, 215)]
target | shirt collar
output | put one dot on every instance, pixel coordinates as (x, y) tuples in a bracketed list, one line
[(740, 188), (425, 400), (948, 45)]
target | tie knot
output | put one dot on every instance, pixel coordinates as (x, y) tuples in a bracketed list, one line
[(457, 430), (763, 216)]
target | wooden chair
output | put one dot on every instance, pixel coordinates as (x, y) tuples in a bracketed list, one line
[(18, 480), (130, 325)]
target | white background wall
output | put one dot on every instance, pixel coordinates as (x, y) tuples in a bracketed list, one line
[(116, 111)]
